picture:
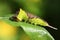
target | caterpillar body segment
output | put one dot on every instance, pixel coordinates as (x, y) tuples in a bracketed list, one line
[(22, 15), (38, 21)]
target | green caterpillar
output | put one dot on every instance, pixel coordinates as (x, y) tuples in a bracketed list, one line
[(32, 19)]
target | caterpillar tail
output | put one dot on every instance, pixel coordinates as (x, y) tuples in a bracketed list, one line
[(52, 27)]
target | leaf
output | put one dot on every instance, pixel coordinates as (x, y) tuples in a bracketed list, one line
[(34, 32)]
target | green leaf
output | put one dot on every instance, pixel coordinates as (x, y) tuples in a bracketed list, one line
[(34, 32)]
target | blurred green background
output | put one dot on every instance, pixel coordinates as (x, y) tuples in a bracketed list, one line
[(46, 9)]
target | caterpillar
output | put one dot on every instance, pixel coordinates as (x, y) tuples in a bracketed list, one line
[(23, 15)]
